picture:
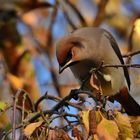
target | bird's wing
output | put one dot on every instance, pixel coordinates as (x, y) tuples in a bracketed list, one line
[(118, 53)]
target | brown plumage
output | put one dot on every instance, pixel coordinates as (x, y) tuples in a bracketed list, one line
[(87, 48)]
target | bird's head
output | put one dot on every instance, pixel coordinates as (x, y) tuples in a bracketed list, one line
[(69, 51)]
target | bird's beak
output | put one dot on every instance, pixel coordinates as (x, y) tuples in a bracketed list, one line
[(62, 68)]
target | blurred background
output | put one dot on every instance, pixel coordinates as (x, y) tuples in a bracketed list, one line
[(29, 30)]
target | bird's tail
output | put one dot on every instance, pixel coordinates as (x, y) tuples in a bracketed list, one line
[(131, 107)]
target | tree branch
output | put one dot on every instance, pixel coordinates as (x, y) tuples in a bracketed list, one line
[(131, 54), (73, 94)]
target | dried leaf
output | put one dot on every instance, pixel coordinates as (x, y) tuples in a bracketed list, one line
[(92, 122), (52, 135), (75, 133), (85, 119), (29, 129), (124, 126), (135, 121), (95, 83), (15, 81), (107, 130), (62, 135)]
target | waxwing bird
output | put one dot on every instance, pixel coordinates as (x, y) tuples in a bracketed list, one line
[(87, 48)]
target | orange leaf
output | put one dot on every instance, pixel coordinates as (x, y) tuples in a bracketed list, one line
[(15, 81), (107, 130), (29, 129)]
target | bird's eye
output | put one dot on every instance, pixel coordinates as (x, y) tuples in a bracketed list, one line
[(69, 56)]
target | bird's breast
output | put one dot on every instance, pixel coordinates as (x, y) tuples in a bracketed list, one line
[(109, 87), (81, 69)]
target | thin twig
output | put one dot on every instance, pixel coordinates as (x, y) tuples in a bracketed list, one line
[(23, 107), (65, 115), (14, 113), (29, 100), (79, 15), (11, 106), (74, 27), (100, 13), (49, 47), (23, 92), (55, 98), (113, 65), (73, 94), (7, 133), (132, 53), (122, 65), (40, 100), (20, 91)]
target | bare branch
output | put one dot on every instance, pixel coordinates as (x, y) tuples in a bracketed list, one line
[(132, 53), (69, 19), (73, 94), (125, 65), (54, 98), (80, 16), (100, 13), (7, 133)]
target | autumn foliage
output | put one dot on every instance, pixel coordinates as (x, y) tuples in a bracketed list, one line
[(38, 103)]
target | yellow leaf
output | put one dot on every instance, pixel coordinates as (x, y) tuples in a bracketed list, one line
[(29, 129), (128, 139), (124, 126), (2, 105), (107, 130), (99, 116), (15, 81), (136, 35), (137, 26), (4, 120), (112, 7), (96, 137), (85, 119), (30, 18)]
